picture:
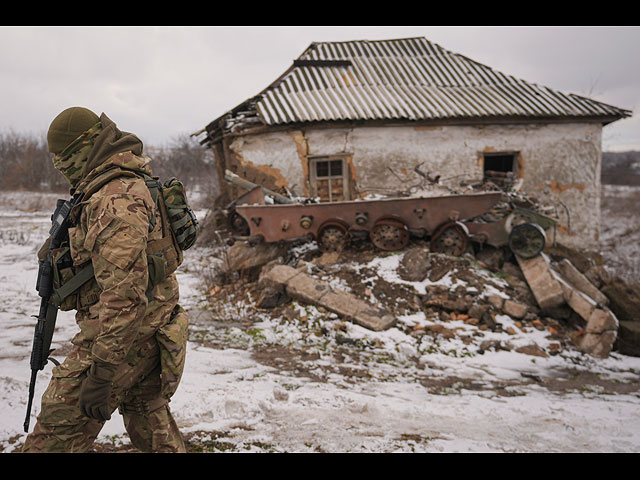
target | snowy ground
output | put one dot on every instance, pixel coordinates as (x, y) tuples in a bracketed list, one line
[(258, 384)]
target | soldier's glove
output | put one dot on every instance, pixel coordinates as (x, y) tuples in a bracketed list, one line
[(96, 390)]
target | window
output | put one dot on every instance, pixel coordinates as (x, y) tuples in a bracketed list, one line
[(328, 179), (500, 168), (498, 162)]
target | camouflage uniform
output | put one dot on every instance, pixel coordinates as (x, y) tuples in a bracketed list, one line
[(124, 321)]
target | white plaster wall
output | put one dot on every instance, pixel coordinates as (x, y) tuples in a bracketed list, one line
[(277, 150), (568, 153)]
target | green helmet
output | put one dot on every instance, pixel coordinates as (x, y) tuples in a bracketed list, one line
[(68, 126)]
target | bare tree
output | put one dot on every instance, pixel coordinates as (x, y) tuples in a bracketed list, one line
[(186, 159), (25, 164)]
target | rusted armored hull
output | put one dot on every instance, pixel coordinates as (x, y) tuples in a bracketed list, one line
[(450, 221), (388, 222)]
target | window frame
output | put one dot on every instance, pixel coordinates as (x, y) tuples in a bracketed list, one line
[(314, 177)]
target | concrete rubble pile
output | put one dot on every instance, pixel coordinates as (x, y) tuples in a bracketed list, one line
[(562, 291), (547, 292)]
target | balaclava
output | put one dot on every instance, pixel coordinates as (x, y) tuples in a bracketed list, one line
[(70, 137), (72, 161)]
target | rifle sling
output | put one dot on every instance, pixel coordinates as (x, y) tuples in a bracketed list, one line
[(79, 279)]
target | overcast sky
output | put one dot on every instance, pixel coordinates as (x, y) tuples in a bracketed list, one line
[(162, 82)]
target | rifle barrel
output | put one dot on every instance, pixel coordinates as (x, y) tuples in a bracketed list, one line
[(32, 387)]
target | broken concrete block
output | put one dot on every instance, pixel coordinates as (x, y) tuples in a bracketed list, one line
[(578, 301), (278, 276), (415, 265), (601, 330), (307, 289), (374, 318), (541, 280), (514, 309), (341, 303), (579, 281), (477, 310), (598, 345), (242, 256), (601, 320), (534, 350), (600, 334), (496, 301)]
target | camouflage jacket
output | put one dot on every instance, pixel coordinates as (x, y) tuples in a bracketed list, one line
[(112, 231)]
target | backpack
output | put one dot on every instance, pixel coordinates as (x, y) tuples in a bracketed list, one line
[(179, 225)]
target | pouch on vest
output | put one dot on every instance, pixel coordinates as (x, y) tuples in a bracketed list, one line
[(181, 217), (179, 226)]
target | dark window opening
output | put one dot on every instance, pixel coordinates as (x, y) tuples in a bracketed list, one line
[(502, 163), (500, 169)]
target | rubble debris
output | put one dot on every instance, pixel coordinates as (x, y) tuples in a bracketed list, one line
[(533, 349), (628, 341), (581, 282), (305, 288), (558, 290), (415, 264), (602, 325), (242, 256), (514, 309), (624, 299), (543, 283), (578, 301), (596, 335)]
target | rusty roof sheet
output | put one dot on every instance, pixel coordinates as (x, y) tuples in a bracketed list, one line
[(411, 79)]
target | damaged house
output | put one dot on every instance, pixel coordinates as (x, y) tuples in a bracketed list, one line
[(357, 119)]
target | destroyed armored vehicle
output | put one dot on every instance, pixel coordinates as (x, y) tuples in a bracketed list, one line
[(451, 222)]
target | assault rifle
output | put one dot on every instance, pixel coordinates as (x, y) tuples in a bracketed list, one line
[(48, 306)]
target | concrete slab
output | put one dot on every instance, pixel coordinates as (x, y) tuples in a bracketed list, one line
[(308, 289), (541, 280), (581, 282)]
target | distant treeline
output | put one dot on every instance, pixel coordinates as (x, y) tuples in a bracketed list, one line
[(621, 168), (25, 163)]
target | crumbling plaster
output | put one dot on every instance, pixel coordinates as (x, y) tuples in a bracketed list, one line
[(559, 162)]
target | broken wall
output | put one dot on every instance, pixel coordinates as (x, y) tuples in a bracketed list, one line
[(558, 163)]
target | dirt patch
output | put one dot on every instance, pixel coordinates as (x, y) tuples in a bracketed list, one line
[(286, 359), (582, 381)]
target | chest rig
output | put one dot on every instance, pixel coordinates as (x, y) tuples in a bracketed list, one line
[(164, 254)]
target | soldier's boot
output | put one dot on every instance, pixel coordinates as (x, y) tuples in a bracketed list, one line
[(151, 426)]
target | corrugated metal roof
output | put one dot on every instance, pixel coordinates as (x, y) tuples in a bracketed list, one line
[(410, 79)]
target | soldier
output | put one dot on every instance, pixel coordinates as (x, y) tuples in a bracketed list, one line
[(129, 352)]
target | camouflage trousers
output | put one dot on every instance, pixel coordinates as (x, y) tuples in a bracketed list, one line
[(136, 393)]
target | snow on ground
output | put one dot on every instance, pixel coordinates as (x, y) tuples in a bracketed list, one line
[(367, 400)]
